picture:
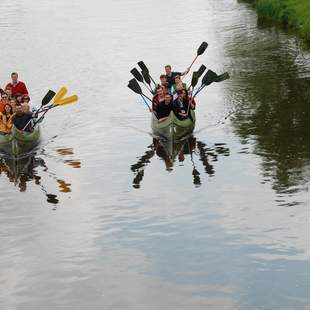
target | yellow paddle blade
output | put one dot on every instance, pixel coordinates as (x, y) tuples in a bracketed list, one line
[(67, 100), (61, 93)]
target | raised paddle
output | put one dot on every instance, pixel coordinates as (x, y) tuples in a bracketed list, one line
[(58, 101), (201, 49), (135, 87), (197, 75), (201, 70), (147, 79), (222, 77), (195, 79), (46, 99), (139, 77), (194, 82), (208, 78), (143, 67), (60, 94), (64, 102)]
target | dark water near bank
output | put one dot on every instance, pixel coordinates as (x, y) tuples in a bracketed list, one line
[(100, 217)]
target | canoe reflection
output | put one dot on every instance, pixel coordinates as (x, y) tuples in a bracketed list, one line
[(171, 152), (31, 169)]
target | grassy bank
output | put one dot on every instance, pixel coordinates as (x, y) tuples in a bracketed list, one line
[(293, 14)]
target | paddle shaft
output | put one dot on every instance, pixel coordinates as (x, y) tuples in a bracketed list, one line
[(190, 101), (142, 65), (153, 81), (38, 111), (145, 96), (146, 103), (199, 90), (192, 63), (149, 88)]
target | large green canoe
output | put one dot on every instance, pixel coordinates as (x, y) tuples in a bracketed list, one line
[(17, 142), (172, 128)]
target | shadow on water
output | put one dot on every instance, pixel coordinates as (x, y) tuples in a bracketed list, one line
[(170, 153), (30, 169), (275, 100)]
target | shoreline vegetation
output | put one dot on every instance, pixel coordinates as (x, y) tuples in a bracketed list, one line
[(291, 14)]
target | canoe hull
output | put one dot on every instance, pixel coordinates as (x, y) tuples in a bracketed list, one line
[(172, 128), (17, 142)]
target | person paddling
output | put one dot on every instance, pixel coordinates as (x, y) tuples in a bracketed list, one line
[(21, 119), (171, 75), (16, 86), (6, 119)]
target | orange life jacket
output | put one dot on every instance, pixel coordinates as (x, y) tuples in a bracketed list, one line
[(5, 124)]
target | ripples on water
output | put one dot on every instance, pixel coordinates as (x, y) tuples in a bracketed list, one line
[(218, 221)]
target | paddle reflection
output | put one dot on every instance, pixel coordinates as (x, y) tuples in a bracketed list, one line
[(33, 169), (170, 153)]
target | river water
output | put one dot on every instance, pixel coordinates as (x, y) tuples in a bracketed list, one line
[(100, 217)]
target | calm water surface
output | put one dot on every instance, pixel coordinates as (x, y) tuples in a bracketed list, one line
[(101, 217)]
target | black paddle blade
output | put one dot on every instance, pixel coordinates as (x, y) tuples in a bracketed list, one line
[(209, 78), (143, 67), (137, 75), (222, 77), (202, 48), (146, 77), (195, 78), (48, 97), (201, 70), (134, 86)]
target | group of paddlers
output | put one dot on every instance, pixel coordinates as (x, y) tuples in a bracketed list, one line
[(15, 106), (172, 95)]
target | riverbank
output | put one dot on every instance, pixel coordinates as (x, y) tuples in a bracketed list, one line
[(292, 14)]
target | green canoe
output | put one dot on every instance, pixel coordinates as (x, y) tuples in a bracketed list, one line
[(172, 128), (17, 142)]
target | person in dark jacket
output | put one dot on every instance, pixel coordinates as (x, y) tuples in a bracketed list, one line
[(180, 105), (22, 120), (164, 108)]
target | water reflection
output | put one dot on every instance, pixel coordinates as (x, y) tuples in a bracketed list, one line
[(275, 97), (31, 169), (171, 152)]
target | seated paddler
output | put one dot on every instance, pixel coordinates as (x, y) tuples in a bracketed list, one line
[(164, 82), (6, 119), (159, 97), (164, 108), (22, 120), (180, 105), (178, 85)]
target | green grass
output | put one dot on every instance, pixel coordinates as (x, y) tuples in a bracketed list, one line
[(294, 14)]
